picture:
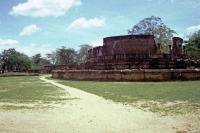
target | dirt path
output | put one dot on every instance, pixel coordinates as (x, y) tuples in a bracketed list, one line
[(88, 113)]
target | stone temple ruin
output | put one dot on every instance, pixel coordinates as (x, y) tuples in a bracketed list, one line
[(134, 58), (136, 51)]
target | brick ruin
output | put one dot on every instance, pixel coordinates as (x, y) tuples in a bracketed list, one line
[(136, 51), (133, 58)]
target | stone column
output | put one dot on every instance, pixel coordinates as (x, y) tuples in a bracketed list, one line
[(170, 49), (184, 52), (180, 49), (159, 47)]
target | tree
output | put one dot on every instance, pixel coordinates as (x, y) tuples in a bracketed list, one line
[(154, 26), (83, 53), (36, 61), (193, 46), (25, 61), (4, 58), (52, 57), (11, 58), (6, 53), (20, 61), (36, 58), (66, 56), (45, 62)]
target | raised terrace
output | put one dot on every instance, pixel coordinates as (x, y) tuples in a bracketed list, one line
[(134, 58)]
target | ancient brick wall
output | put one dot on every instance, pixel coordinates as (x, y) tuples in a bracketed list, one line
[(177, 47), (134, 52), (130, 44), (128, 75)]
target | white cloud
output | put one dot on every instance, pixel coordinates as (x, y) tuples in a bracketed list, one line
[(30, 50), (83, 23), (46, 45), (43, 8), (8, 42), (29, 30), (193, 28), (33, 44), (33, 49), (97, 43)]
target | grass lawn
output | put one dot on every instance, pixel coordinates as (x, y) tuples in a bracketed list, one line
[(11, 74), (179, 97), (28, 90), (170, 97)]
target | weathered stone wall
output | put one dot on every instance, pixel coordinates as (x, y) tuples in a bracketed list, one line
[(130, 44), (177, 47), (134, 52), (128, 75)]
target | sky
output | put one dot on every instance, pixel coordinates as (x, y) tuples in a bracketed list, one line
[(42, 26)]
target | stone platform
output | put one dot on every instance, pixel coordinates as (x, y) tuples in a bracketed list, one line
[(128, 75)]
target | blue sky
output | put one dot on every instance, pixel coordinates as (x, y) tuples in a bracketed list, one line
[(41, 26)]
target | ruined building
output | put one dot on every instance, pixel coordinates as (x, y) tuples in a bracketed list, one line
[(133, 58), (136, 52)]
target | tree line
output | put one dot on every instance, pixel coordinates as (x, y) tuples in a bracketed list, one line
[(13, 60)]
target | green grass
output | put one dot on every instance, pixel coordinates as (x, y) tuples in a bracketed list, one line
[(12, 74), (29, 89), (154, 96), (179, 97), (134, 91)]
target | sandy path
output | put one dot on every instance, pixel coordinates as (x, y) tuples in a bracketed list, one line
[(88, 113)]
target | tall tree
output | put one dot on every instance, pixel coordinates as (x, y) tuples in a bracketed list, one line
[(20, 62), (4, 58), (11, 58), (154, 26), (66, 56), (36, 58), (6, 53), (83, 53), (38, 62), (193, 46), (52, 57), (45, 62)]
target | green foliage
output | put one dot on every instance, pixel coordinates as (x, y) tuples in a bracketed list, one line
[(63, 55), (12, 58), (52, 57), (193, 46), (4, 58), (20, 61), (66, 56), (83, 53), (69, 56), (36, 58), (6, 53), (38, 62), (154, 26)]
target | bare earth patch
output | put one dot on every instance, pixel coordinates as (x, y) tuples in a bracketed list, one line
[(91, 113)]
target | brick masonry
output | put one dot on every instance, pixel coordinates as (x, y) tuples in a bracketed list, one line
[(128, 75)]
